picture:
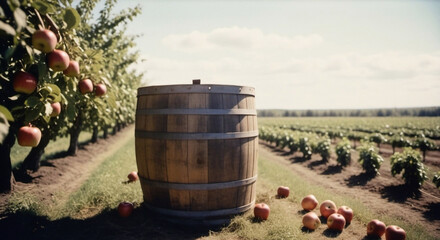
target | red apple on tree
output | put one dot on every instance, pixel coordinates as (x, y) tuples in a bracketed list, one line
[(347, 213), (261, 211), (125, 209), (133, 176), (85, 86), (44, 40), (327, 208), (376, 228), (309, 202), (394, 232), (29, 136), (72, 69), (100, 89), (56, 109), (311, 220), (24, 82), (283, 191), (336, 222), (58, 60)]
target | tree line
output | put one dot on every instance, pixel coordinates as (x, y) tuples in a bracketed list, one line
[(380, 112)]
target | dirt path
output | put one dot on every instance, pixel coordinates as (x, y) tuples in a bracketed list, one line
[(59, 177), (383, 194)]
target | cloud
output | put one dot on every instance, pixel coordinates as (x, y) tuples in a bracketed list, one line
[(239, 38)]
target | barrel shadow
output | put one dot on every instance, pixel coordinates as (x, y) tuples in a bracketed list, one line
[(106, 225)]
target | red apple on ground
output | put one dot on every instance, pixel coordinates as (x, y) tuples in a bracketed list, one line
[(24, 82), (336, 222), (394, 232), (309, 202), (56, 109), (327, 208), (44, 40), (261, 211), (133, 176), (125, 209), (28, 136), (100, 89), (347, 213), (376, 228), (283, 191), (85, 86), (311, 220), (58, 60), (72, 69)]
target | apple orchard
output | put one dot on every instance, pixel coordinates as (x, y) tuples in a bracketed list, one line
[(63, 71)]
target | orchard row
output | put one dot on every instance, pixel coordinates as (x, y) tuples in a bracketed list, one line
[(63, 71), (409, 162)]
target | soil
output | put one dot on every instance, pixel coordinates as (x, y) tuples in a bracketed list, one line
[(383, 194)]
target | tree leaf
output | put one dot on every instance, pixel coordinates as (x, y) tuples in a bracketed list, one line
[(34, 113), (32, 101), (20, 18), (71, 17), (6, 113), (4, 127), (6, 29), (42, 6)]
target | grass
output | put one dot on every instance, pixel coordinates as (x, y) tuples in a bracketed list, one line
[(104, 189), (19, 153)]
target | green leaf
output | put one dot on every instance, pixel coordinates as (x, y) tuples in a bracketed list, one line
[(20, 18), (6, 113), (32, 101), (42, 6), (4, 127), (6, 29), (34, 113), (13, 4), (72, 18)]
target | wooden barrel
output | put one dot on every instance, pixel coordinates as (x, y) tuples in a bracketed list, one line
[(196, 151)]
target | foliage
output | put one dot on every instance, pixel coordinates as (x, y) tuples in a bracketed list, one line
[(436, 179), (305, 148), (343, 151), (377, 138), (369, 158), (410, 165), (323, 148)]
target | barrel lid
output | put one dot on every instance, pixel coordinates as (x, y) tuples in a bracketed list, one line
[(196, 88)]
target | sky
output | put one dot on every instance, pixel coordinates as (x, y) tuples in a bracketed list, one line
[(297, 54)]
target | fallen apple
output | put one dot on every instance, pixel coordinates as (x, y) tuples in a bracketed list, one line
[(376, 228), (58, 60), (283, 192), (311, 220), (133, 176), (336, 222), (261, 211), (125, 209), (24, 82), (100, 89), (85, 86), (309, 202), (28, 136), (327, 208), (56, 109), (394, 232), (72, 69), (44, 40), (346, 212)]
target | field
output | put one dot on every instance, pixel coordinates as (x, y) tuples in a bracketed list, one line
[(76, 197)]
